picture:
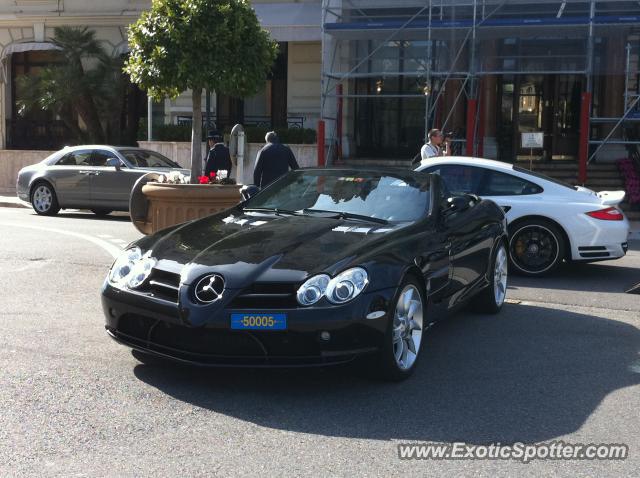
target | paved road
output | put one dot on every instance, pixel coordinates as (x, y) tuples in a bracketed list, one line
[(560, 362)]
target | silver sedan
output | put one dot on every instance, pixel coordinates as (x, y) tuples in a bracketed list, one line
[(99, 178)]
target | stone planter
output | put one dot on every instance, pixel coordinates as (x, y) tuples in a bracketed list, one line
[(171, 204)]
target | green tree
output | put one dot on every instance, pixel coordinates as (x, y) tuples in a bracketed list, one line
[(199, 44), (87, 83)]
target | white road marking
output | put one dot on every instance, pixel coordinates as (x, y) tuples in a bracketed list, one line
[(110, 248)]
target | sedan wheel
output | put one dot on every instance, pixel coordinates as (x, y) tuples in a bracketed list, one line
[(43, 200), (403, 340), (535, 248)]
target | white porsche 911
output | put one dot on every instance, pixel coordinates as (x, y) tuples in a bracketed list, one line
[(549, 221)]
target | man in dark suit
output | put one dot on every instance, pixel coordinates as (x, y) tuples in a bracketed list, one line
[(218, 157), (273, 160)]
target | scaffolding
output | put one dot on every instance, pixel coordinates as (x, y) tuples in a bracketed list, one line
[(444, 58)]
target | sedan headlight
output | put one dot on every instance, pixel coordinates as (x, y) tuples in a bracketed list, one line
[(347, 285), (342, 288), (312, 290), (131, 268)]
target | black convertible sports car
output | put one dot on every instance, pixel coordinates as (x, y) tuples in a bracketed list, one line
[(321, 267)]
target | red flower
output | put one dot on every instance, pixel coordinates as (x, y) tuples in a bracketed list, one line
[(212, 175), (203, 180)]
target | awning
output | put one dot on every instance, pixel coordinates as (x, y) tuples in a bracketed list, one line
[(19, 48), (291, 21), (27, 46)]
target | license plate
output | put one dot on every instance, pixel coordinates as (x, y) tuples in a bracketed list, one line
[(259, 321)]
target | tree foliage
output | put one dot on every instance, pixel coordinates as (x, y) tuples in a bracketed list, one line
[(199, 44)]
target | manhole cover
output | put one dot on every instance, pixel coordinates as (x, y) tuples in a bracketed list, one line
[(634, 290)]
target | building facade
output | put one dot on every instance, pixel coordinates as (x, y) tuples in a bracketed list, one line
[(290, 97), (486, 71), (381, 73)]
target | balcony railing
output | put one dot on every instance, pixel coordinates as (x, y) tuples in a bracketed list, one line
[(259, 121), (39, 135)]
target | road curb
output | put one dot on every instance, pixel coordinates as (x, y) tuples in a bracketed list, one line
[(13, 204)]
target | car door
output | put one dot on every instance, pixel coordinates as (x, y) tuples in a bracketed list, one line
[(435, 258), (71, 178), (111, 186), (466, 229)]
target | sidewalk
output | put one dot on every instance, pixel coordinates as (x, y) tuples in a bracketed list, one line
[(13, 201)]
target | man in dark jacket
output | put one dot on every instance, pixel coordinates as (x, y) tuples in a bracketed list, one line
[(218, 157), (273, 160)]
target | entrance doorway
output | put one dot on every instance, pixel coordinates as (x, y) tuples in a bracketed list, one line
[(547, 103)]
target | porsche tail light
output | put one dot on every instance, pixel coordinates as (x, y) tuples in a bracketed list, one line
[(607, 214)]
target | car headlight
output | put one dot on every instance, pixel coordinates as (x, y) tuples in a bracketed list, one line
[(131, 268), (347, 285), (140, 272), (312, 290), (122, 267)]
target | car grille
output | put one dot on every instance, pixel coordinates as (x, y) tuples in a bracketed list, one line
[(204, 341), (266, 296), (163, 285)]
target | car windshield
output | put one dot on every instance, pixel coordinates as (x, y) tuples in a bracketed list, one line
[(142, 158), (385, 197)]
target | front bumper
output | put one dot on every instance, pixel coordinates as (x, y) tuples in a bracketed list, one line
[(156, 327)]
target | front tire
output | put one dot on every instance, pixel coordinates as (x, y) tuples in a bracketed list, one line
[(491, 299), (403, 339), (44, 200), (536, 247)]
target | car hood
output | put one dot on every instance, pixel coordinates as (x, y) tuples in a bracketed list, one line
[(256, 247)]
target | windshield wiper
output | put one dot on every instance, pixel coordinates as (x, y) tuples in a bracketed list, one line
[(276, 211), (348, 215)]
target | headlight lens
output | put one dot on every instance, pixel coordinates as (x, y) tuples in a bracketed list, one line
[(347, 285), (140, 271), (312, 290), (124, 264)]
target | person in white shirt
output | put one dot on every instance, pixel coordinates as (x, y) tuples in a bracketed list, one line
[(434, 147)]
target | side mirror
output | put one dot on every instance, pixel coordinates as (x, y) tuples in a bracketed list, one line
[(249, 191), (114, 163), (455, 204)]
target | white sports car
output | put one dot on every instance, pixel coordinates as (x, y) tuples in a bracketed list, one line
[(549, 221)]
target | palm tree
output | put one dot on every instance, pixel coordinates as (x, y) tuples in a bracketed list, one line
[(87, 84)]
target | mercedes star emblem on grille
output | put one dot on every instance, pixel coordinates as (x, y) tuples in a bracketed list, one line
[(210, 288)]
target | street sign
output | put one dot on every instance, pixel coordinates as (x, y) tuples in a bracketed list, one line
[(532, 140)]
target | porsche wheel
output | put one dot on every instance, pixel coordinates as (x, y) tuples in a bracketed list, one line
[(43, 199), (403, 340), (536, 247), (491, 299)]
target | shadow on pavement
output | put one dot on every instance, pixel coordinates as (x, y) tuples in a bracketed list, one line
[(529, 374), (114, 216), (595, 277)]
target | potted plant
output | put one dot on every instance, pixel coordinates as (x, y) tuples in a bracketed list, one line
[(200, 44), (173, 200)]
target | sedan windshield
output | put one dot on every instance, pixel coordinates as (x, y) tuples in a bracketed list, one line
[(348, 195), (142, 158)]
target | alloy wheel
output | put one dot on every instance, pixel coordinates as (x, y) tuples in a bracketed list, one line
[(534, 249), (407, 327), (500, 276), (42, 198)]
